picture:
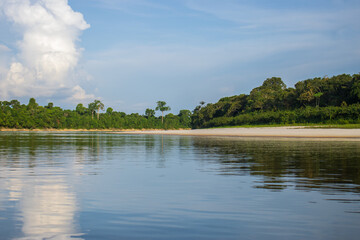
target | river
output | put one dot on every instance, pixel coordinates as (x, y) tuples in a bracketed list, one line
[(81, 185)]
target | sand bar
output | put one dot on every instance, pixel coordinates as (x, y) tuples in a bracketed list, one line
[(290, 132)]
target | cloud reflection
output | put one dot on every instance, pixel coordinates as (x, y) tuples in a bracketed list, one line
[(47, 203)]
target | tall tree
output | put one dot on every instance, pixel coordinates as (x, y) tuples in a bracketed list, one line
[(98, 105), (92, 109), (161, 105)]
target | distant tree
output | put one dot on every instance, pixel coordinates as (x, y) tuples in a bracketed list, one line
[(32, 106), (92, 109), (6, 104), (307, 90), (98, 105), (15, 104), (149, 112), (274, 83), (355, 89), (50, 105), (185, 117), (80, 109), (32, 103), (269, 96), (317, 97), (109, 110), (185, 113), (161, 106)]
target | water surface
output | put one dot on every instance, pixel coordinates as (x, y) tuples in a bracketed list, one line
[(108, 186)]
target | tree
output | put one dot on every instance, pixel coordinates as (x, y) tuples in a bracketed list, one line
[(109, 110), (80, 109), (274, 83), (32, 106), (15, 104), (32, 103), (308, 88), (317, 96), (185, 117), (161, 105), (98, 105), (355, 89), (92, 109), (95, 107), (149, 112), (269, 96), (50, 105)]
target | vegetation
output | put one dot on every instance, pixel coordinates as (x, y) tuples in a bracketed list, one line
[(161, 105), (330, 101), (31, 116), (334, 100)]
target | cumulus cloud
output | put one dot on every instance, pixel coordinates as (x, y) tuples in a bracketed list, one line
[(47, 53)]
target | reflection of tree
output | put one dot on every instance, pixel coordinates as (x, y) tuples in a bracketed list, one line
[(304, 164)]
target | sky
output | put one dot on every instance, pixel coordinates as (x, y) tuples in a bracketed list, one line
[(132, 53)]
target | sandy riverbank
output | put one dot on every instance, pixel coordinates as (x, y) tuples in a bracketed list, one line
[(273, 132), (291, 132)]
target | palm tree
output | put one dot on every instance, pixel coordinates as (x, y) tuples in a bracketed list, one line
[(98, 105), (92, 109), (161, 105), (95, 107)]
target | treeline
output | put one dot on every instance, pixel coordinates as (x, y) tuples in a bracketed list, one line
[(317, 100), (334, 100), (31, 116)]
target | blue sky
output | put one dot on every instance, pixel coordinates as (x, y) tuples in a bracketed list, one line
[(136, 52)]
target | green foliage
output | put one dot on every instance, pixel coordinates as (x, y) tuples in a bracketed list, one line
[(109, 110), (317, 100), (80, 109), (98, 105), (161, 105), (31, 116), (185, 118), (149, 113)]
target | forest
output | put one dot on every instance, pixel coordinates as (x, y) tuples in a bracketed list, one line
[(326, 100), (32, 116)]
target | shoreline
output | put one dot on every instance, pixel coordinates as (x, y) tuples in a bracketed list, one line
[(72, 130), (268, 132), (256, 132)]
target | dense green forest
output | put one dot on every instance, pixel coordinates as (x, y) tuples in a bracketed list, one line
[(334, 100), (31, 116)]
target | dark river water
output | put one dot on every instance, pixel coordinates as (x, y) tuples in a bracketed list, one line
[(109, 186)]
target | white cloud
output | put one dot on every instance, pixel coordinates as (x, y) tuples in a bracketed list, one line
[(48, 54), (79, 94)]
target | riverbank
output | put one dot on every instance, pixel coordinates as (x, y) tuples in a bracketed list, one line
[(272, 132), (72, 130), (289, 132)]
